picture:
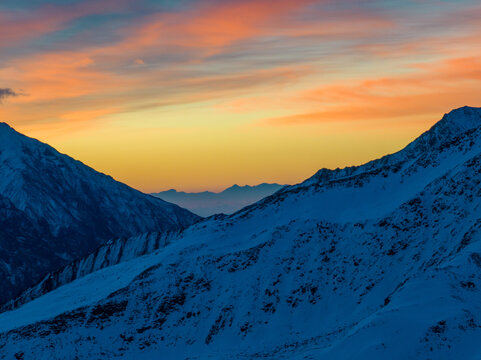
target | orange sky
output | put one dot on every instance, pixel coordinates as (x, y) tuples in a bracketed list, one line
[(198, 95)]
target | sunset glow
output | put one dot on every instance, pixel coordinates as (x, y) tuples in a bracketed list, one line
[(199, 95)]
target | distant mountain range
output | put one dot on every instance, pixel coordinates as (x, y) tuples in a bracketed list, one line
[(226, 202), (54, 209), (379, 261)]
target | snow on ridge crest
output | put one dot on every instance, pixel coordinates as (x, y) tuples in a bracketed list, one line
[(462, 119), (454, 124)]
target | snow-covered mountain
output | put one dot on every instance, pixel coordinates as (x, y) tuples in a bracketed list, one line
[(230, 200), (54, 209), (381, 261)]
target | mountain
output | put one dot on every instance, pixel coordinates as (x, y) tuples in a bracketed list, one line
[(226, 202), (377, 261), (54, 209)]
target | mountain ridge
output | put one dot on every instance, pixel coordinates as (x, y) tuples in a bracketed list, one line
[(228, 201), (391, 162), (228, 189), (382, 264), (447, 128)]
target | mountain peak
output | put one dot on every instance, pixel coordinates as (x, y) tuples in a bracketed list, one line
[(462, 119), (234, 187), (5, 128), (453, 124), (10, 139)]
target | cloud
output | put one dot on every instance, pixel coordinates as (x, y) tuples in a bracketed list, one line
[(333, 62), (29, 24), (429, 89), (6, 92)]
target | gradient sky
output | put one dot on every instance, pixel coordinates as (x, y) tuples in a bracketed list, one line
[(198, 95)]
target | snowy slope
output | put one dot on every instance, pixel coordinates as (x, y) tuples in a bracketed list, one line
[(373, 262), (228, 201), (54, 209)]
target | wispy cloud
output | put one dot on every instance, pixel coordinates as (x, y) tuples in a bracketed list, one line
[(302, 61), (6, 92), (427, 91)]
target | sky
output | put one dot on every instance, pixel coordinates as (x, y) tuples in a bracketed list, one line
[(199, 95)]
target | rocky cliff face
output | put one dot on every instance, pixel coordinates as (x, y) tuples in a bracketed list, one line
[(112, 253), (374, 262), (55, 209)]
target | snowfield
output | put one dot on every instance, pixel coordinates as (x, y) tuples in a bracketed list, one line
[(381, 261)]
